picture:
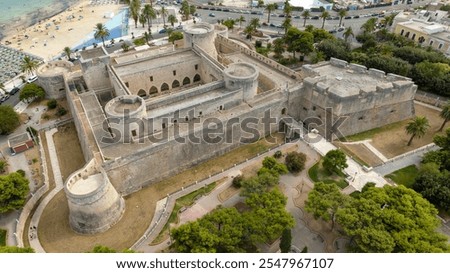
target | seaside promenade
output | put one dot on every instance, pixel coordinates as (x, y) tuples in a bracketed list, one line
[(48, 38)]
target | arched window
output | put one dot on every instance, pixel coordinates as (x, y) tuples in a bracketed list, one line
[(186, 80), (175, 84), (401, 32), (283, 111), (153, 90), (142, 93), (197, 78), (164, 87)]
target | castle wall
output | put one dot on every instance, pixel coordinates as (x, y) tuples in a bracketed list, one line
[(51, 78), (95, 73), (145, 167), (163, 75), (79, 117)]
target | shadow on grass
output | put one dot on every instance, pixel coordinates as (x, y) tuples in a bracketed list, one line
[(318, 174)]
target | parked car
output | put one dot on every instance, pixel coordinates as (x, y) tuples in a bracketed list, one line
[(212, 15), (32, 79), (14, 90), (164, 30)]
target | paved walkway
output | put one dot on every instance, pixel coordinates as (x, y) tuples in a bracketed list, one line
[(357, 176), (294, 187), (411, 158), (34, 240)]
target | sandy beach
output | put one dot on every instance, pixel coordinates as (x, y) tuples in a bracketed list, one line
[(48, 38)]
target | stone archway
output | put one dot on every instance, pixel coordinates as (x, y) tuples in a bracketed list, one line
[(175, 84), (197, 78), (153, 90), (142, 93), (186, 81), (164, 87)]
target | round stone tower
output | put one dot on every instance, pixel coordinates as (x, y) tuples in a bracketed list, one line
[(51, 78), (94, 204), (242, 75), (125, 114), (203, 35)]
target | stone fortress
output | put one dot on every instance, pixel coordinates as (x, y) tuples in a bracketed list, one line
[(144, 115)]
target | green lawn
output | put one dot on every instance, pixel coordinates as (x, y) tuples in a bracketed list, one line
[(405, 176), (318, 174), (370, 133), (2, 237), (185, 201)]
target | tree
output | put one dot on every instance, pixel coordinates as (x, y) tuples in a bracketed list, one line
[(286, 240), (163, 12), (150, 14), (31, 91), (342, 13), (324, 201), (324, 15), (229, 23), (240, 20), (52, 104), (369, 25), (445, 115), (135, 8), (287, 23), (417, 128), (269, 8), (174, 36), (101, 32), (334, 161), (434, 185), (14, 190), (187, 9), (15, 249), (278, 48), (142, 19), (254, 22), (3, 165), (271, 163), (29, 65), (433, 77), (295, 161), (305, 14), (221, 230), (299, 41), (103, 249), (347, 33), (172, 19), (268, 216), (9, 119), (392, 219), (68, 52)]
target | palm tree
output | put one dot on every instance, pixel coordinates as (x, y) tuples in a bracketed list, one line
[(249, 31), (67, 51), (142, 19), (135, 8), (417, 128), (163, 13), (101, 32), (287, 9), (240, 20), (347, 33), (29, 65), (369, 25), (324, 15), (305, 15), (270, 7), (254, 22), (342, 13), (150, 14), (445, 114), (172, 19)]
